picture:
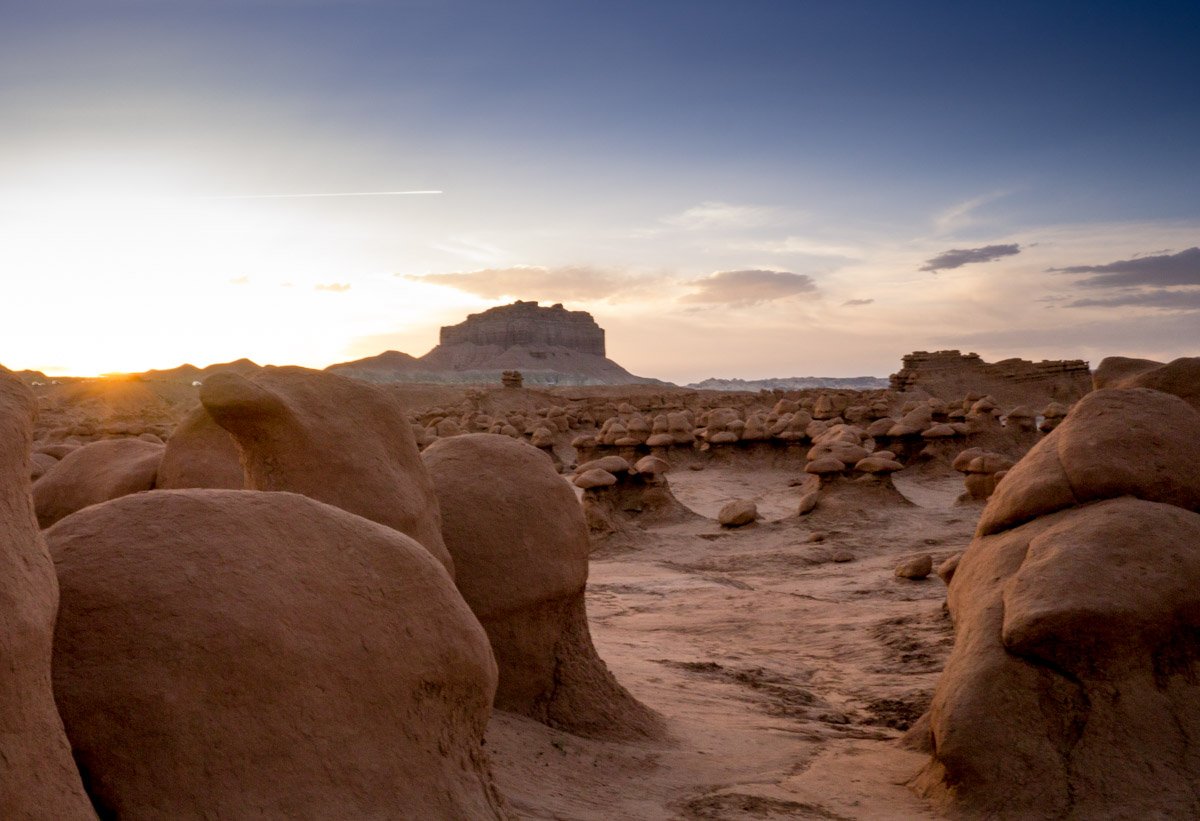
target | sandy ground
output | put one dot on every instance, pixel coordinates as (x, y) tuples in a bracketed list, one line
[(785, 676)]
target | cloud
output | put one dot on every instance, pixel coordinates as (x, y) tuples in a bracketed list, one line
[(961, 215), (1162, 270), (849, 303), (748, 287), (563, 283), (240, 281), (1182, 300), (958, 257), (711, 215), (334, 287)]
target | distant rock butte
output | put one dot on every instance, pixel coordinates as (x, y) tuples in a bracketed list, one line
[(525, 324), (952, 373), (792, 383), (549, 346)]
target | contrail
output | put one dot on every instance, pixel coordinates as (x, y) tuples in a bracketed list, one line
[(315, 196)]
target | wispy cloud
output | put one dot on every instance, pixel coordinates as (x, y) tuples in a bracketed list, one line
[(577, 282), (334, 287), (711, 215), (748, 287), (1161, 270), (472, 249), (1176, 300), (850, 303), (962, 214), (240, 281), (958, 257)]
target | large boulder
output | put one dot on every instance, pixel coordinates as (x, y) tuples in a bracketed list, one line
[(1073, 690), (520, 546), (201, 453), (1180, 377), (38, 778), (337, 440), (225, 653), (96, 473), (1115, 442)]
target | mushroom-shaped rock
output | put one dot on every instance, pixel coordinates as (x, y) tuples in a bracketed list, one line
[(38, 778), (845, 452), (653, 465), (660, 440), (542, 438), (95, 473), (224, 652), (1021, 418), (880, 427), (737, 513), (521, 546), (1053, 414), (965, 457), (612, 464), (878, 465), (200, 453), (825, 466), (337, 440), (940, 431), (594, 478)]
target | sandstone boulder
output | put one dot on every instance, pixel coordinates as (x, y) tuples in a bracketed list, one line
[(738, 513), (221, 653), (520, 544), (95, 473), (334, 439), (1072, 688), (38, 778), (201, 453)]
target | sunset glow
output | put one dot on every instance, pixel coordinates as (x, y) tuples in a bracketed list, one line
[(188, 185)]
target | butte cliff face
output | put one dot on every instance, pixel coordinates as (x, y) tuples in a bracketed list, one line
[(525, 324), (549, 346), (952, 374)]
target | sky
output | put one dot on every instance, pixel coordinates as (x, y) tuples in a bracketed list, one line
[(733, 189)]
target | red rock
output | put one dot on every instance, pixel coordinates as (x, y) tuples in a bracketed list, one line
[(38, 777), (225, 652)]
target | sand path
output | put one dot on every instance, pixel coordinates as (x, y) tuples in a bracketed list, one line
[(785, 676)]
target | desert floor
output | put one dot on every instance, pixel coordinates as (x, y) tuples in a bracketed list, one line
[(786, 657)]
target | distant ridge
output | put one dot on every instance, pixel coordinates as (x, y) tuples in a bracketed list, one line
[(792, 383)]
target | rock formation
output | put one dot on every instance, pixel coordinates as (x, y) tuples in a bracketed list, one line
[(224, 653), (1072, 688), (201, 453), (948, 374), (1180, 377), (330, 438), (550, 346), (526, 324), (38, 778), (96, 473), (520, 546)]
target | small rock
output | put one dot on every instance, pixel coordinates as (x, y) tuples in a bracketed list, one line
[(737, 513), (946, 569), (843, 556), (915, 568), (816, 536)]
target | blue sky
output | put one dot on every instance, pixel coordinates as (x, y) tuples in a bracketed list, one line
[(661, 164)]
